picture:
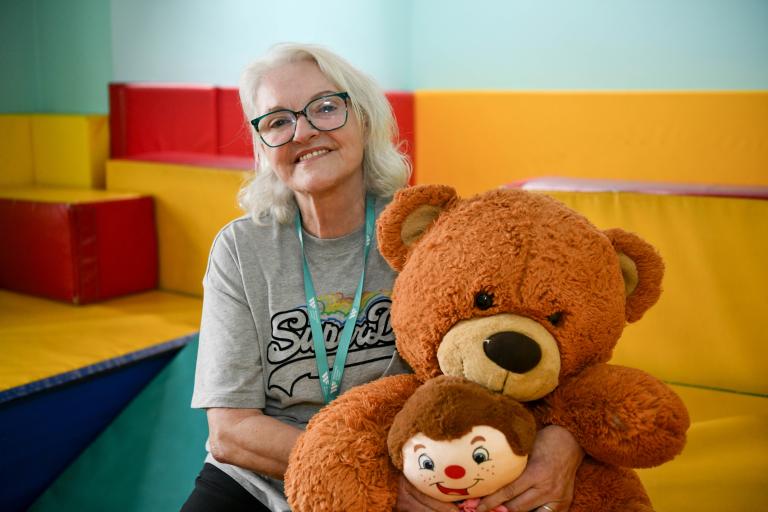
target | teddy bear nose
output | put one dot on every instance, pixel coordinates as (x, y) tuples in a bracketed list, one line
[(454, 471), (513, 351)]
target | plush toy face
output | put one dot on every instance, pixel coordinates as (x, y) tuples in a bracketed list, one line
[(509, 289), (472, 466)]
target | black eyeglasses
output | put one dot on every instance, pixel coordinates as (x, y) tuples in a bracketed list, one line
[(325, 113)]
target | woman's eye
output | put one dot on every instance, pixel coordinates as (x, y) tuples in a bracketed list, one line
[(279, 122), (480, 455), (325, 108), (426, 463)]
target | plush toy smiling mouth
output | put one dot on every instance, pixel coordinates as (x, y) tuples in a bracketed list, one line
[(456, 492)]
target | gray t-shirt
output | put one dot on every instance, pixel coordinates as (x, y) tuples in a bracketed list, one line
[(256, 346)]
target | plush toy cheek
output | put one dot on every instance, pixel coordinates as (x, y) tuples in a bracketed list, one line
[(506, 353)]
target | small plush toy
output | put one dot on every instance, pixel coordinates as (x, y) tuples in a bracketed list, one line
[(525, 297), (455, 440)]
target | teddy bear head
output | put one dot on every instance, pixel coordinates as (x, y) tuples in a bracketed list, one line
[(509, 289)]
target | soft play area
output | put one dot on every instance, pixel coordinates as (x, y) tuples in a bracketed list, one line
[(106, 220)]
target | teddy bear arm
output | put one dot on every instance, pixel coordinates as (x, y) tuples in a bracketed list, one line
[(621, 416), (341, 461)]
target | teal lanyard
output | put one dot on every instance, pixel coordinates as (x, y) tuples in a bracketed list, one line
[(330, 384)]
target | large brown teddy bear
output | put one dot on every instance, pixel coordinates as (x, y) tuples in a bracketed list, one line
[(518, 293)]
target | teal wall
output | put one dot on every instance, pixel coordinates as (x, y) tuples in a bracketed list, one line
[(18, 56), (55, 56), (58, 55), (590, 44), (211, 42)]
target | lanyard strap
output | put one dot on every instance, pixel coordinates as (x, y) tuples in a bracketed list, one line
[(330, 384)]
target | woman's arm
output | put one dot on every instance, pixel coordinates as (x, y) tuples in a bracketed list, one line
[(249, 439)]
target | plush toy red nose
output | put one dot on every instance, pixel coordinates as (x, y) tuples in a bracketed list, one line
[(454, 471)]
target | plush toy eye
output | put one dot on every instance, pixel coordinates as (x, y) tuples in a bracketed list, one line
[(483, 300), (555, 318), (480, 455), (426, 463)]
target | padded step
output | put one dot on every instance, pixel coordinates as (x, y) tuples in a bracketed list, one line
[(77, 246)]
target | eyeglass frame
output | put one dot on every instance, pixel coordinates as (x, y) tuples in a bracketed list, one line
[(343, 95)]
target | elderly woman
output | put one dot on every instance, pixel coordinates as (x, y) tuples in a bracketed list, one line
[(300, 278)]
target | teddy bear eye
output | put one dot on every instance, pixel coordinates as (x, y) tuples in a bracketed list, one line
[(483, 300), (480, 455), (426, 463), (556, 318)]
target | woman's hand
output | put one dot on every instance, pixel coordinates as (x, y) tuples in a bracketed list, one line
[(409, 499), (548, 478)]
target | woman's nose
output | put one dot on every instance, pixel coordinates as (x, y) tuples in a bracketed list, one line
[(304, 130)]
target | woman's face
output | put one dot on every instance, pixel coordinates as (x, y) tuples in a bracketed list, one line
[(314, 162)]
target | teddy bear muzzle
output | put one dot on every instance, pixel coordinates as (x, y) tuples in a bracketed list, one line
[(507, 353)]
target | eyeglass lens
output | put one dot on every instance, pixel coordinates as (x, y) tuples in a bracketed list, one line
[(325, 114)]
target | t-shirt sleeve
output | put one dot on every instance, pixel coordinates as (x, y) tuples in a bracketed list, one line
[(229, 370)]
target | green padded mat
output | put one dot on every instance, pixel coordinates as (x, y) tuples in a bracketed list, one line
[(147, 459)]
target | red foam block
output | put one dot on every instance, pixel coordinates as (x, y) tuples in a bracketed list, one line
[(148, 118), (79, 253), (160, 122), (403, 107), (234, 132)]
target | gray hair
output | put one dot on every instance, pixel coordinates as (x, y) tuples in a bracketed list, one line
[(385, 167)]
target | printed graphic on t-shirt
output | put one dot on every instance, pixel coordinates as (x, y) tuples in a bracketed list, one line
[(291, 352)]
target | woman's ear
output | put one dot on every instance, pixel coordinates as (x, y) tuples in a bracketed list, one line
[(642, 269), (405, 220)]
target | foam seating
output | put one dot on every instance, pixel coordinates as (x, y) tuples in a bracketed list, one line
[(192, 203), (704, 336), (682, 136), (198, 125), (68, 370), (75, 245), (53, 150)]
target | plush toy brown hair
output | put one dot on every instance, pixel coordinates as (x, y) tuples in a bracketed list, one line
[(516, 292), (448, 407)]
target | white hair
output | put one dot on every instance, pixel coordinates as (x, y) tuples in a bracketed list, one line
[(385, 167)]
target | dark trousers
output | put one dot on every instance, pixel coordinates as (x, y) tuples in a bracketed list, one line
[(216, 491)]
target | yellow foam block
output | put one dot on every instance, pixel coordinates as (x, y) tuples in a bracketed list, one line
[(16, 168), (707, 327), (475, 140), (191, 205), (41, 338), (70, 150), (62, 195), (724, 465)]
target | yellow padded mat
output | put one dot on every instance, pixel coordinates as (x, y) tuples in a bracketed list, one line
[(70, 150), (41, 338), (62, 195), (724, 465), (191, 205), (478, 140), (706, 328), (16, 167)]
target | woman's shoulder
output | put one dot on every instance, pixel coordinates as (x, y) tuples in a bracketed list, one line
[(244, 231)]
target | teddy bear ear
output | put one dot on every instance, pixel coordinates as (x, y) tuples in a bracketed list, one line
[(405, 220), (642, 269)]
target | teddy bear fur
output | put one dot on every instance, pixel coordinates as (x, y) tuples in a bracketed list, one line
[(479, 279)]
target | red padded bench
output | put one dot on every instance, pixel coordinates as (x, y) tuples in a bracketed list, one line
[(201, 125)]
